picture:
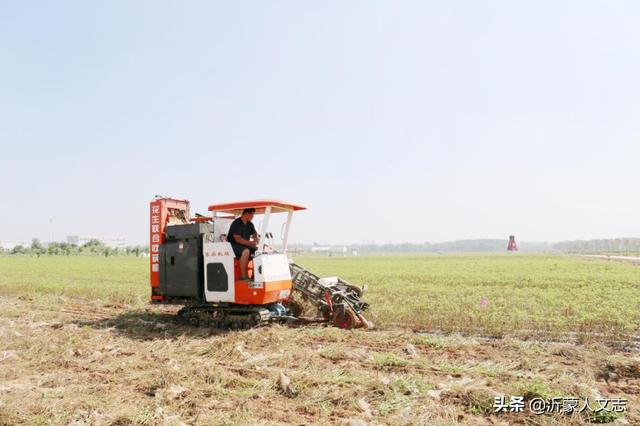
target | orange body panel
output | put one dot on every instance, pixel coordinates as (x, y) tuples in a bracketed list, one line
[(236, 269), (259, 296)]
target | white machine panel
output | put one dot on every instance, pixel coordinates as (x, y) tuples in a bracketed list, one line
[(220, 253), (271, 267), (221, 229)]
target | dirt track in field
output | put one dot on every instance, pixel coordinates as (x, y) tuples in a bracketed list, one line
[(632, 259), (78, 361)]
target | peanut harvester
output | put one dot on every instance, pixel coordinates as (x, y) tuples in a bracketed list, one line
[(192, 264)]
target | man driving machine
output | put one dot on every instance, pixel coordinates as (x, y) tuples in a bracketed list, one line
[(244, 239)]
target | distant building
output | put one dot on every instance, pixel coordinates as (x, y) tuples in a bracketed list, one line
[(320, 249), (111, 242), (329, 249), (11, 244)]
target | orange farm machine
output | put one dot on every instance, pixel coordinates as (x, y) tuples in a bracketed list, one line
[(192, 264)]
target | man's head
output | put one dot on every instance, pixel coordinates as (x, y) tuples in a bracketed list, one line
[(247, 214)]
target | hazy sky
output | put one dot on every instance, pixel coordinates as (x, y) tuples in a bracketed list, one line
[(391, 120)]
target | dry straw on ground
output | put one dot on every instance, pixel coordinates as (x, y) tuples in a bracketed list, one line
[(78, 361)]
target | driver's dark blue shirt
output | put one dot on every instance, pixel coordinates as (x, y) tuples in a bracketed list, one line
[(244, 230)]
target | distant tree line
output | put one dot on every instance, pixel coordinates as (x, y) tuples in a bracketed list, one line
[(604, 246), (91, 248), (483, 245), (611, 245)]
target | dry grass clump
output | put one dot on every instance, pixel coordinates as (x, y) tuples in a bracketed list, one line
[(616, 368), (476, 400)]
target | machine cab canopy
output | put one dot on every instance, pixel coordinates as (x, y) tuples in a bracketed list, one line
[(265, 207), (236, 208)]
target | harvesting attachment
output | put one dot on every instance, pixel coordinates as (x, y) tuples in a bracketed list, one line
[(337, 300)]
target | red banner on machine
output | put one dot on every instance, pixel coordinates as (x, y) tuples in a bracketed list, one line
[(155, 241)]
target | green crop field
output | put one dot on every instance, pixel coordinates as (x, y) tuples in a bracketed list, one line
[(497, 294), (476, 294)]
